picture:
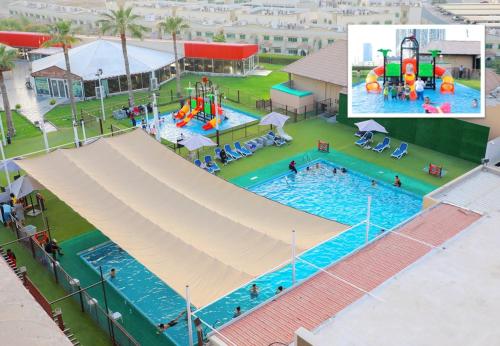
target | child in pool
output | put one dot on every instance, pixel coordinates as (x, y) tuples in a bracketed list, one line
[(407, 92), (394, 92), (401, 91), (386, 92)]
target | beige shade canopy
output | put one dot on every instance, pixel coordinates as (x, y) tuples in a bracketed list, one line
[(185, 225)]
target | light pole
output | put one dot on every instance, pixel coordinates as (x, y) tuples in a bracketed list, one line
[(98, 75)]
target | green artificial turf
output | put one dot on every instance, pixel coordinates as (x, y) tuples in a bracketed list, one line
[(24, 128), (471, 83)]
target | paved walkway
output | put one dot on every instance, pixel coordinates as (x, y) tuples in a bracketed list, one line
[(33, 107), (324, 295)]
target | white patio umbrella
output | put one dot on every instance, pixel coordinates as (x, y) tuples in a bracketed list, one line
[(370, 125), (11, 166), (23, 186), (274, 118), (196, 142)]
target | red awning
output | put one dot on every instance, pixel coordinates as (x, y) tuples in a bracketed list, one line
[(222, 51), (18, 39)]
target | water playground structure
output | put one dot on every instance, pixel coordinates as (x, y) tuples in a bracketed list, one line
[(202, 105), (409, 69)]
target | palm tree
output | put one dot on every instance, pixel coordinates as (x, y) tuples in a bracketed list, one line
[(121, 22), (62, 34), (173, 26), (7, 57)]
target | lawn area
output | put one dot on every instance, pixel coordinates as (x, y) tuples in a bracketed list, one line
[(471, 83), (29, 138)]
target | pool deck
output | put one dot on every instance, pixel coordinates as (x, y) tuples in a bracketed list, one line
[(326, 294)]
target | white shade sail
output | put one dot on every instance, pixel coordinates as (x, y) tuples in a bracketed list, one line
[(370, 125), (185, 225), (274, 118), (11, 165), (197, 141)]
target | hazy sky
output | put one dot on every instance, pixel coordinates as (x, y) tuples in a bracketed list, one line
[(381, 36)]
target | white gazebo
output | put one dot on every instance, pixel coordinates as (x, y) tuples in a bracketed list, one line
[(106, 56)]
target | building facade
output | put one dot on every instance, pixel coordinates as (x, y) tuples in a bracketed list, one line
[(297, 27), (423, 36)]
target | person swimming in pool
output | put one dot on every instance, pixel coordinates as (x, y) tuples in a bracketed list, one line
[(374, 183), (163, 327), (237, 312), (291, 166), (254, 291), (474, 103)]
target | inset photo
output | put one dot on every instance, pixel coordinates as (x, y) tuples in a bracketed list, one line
[(416, 71)]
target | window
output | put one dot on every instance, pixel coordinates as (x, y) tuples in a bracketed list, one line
[(331, 40), (499, 46), (375, 22), (89, 88), (198, 33), (397, 15), (305, 39), (292, 39), (266, 37), (489, 46), (277, 50), (388, 22), (278, 38), (42, 86), (209, 34), (243, 36), (229, 35), (293, 51)]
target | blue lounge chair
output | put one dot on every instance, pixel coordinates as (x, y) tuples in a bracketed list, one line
[(217, 156), (278, 141), (383, 145), (242, 150), (211, 163), (198, 164), (251, 145), (363, 141), (230, 152), (401, 151)]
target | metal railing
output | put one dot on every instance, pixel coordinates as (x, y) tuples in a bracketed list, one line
[(88, 304)]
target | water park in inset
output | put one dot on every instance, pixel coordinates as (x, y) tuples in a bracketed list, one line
[(414, 82)]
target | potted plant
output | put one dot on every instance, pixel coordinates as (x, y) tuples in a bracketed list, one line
[(52, 102), (18, 107)]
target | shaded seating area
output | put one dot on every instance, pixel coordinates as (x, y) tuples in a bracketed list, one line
[(365, 140), (385, 144)]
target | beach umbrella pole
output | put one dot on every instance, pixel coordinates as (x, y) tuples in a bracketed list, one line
[(4, 162)]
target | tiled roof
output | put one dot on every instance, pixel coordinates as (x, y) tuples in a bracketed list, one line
[(454, 47), (327, 65)]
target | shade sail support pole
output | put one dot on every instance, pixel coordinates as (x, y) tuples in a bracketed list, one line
[(189, 317)]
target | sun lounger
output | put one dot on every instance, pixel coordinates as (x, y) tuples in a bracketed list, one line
[(230, 152), (382, 145), (359, 133), (365, 140), (242, 150), (211, 163), (278, 141), (251, 145), (198, 164), (217, 156), (400, 151)]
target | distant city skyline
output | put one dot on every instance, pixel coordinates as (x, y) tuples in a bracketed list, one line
[(367, 52), (423, 36), (384, 37)]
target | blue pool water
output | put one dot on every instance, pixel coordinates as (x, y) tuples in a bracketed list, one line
[(461, 101), (170, 132), (340, 197)]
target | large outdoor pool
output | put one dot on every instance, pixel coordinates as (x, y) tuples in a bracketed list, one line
[(461, 101), (170, 132), (340, 197)]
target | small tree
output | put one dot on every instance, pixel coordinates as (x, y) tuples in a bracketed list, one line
[(219, 37), (173, 26), (121, 22), (62, 34), (7, 57)]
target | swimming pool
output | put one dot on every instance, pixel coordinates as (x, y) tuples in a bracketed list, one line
[(461, 101), (341, 197), (170, 132)]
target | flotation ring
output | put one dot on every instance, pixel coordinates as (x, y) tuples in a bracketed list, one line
[(41, 238), (444, 108)]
